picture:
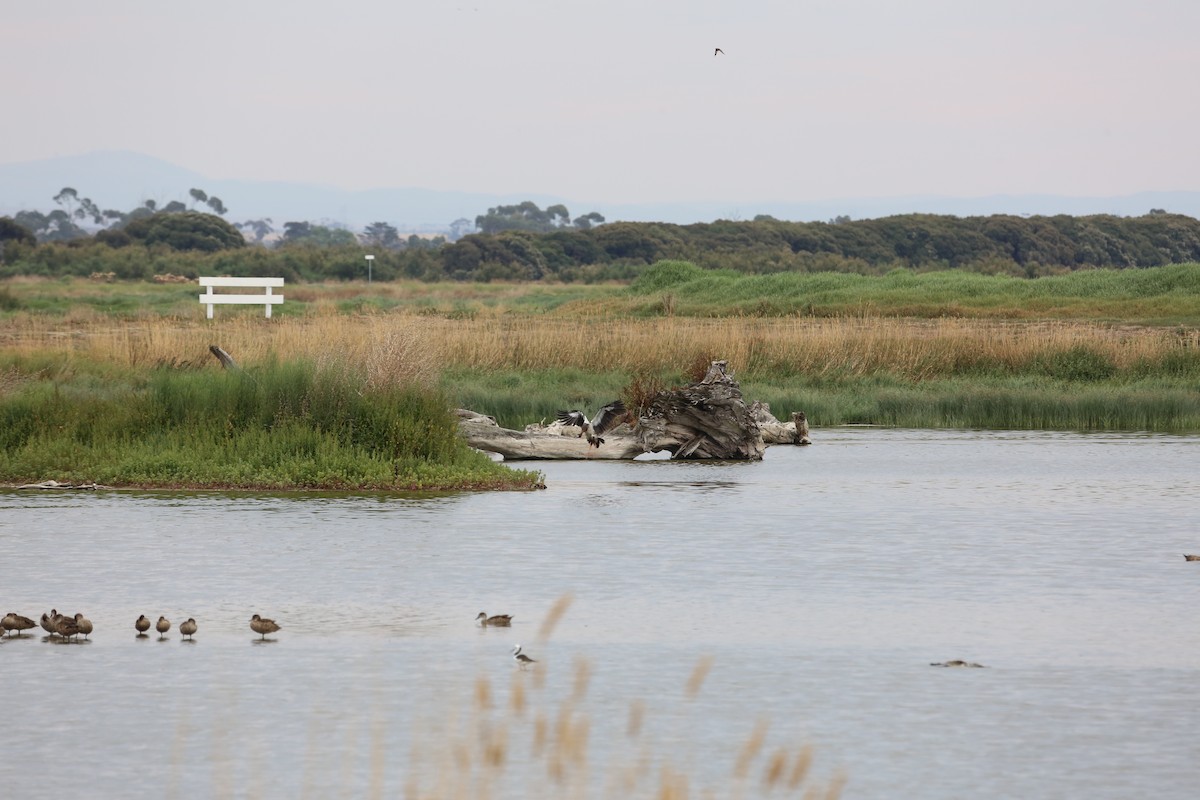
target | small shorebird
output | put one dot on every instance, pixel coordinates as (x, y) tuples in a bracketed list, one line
[(522, 659), (1190, 557), (188, 628), (142, 625), (162, 626), (84, 624), (500, 620), (608, 418), (15, 622), (262, 626)]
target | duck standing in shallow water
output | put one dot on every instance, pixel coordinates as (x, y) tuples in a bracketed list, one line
[(499, 621), (162, 626), (142, 625), (262, 626), (66, 627), (15, 622), (1191, 557), (84, 624), (188, 628)]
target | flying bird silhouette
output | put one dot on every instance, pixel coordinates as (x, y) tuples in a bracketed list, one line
[(718, 50)]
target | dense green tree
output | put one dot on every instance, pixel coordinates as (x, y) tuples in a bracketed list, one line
[(57, 226), (188, 230), (383, 235), (527, 216), (216, 205), (588, 220), (316, 235), (13, 231), (198, 196)]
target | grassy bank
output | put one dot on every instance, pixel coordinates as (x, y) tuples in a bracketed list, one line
[(1153, 296), (276, 426), (1160, 295)]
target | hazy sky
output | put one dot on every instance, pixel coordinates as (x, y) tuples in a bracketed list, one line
[(622, 100)]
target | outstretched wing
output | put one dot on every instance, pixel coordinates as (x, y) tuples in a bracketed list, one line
[(609, 417), (575, 418)]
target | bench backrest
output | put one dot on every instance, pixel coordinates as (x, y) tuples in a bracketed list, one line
[(268, 299), (241, 282)]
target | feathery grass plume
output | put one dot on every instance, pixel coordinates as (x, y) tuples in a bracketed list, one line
[(776, 766), (516, 694), (800, 767), (552, 617), (483, 694), (583, 673), (750, 749), (696, 679), (637, 713)]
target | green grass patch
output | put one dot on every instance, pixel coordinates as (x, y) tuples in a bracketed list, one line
[(278, 426), (1158, 295), (1029, 401)]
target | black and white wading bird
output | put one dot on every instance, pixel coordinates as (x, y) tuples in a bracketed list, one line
[(718, 51), (609, 417), (522, 660)]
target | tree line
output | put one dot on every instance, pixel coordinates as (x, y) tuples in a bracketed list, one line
[(549, 245)]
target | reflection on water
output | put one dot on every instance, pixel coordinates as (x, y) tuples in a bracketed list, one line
[(823, 581)]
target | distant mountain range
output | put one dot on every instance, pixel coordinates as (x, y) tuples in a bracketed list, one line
[(124, 180)]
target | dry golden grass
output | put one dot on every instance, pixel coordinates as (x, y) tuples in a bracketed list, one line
[(401, 347)]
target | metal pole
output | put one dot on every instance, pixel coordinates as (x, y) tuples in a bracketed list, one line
[(370, 261)]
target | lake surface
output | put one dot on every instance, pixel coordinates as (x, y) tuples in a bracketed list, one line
[(821, 581)]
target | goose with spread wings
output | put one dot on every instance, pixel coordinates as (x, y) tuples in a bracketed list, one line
[(608, 418)]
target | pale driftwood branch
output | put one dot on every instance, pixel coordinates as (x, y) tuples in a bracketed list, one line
[(84, 487), (708, 419)]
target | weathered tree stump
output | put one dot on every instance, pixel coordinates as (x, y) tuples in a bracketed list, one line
[(707, 420)]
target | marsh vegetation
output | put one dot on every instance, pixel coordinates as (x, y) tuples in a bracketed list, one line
[(84, 364)]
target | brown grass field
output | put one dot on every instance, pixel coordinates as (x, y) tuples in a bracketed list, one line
[(405, 346)]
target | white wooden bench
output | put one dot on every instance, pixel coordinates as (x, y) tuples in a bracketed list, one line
[(267, 299)]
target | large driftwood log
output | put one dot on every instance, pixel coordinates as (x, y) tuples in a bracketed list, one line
[(708, 419), (553, 441)]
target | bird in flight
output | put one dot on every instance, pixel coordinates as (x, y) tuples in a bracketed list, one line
[(718, 51), (608, 418)]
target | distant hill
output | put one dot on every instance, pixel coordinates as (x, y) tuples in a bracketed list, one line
[(123, 180)]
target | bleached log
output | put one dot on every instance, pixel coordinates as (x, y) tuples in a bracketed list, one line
[(482, 432), (708, 420)]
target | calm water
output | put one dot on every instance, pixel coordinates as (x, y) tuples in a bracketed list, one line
[(822, 581)]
